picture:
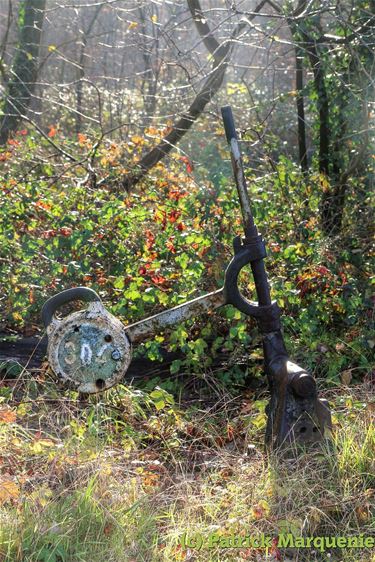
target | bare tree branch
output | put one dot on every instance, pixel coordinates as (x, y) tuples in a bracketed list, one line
[(221, 56)]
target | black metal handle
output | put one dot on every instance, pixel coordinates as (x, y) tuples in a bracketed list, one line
[(69, 295), (228, 121)]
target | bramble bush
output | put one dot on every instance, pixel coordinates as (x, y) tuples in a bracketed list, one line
[(171, 239)]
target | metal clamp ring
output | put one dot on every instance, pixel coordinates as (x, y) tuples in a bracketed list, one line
[(232, 292)]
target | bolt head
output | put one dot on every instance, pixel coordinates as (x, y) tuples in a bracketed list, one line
[(116, 355), (304, 385)]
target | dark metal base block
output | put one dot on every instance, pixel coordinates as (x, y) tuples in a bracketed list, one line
[(295, 413)]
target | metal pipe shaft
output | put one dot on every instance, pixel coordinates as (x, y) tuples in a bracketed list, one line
[(238, 170), (250, 230), (149, 326)]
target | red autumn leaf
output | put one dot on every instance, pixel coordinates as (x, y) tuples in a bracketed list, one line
[(174, 215), (181, 226), (52, 284), (158, 279), (230, 432), (7, 415), (142, 270), (275, 247), (81, 138), (48, 233), (343, 277), (323, 270), (108, 529), (52, 131), (257, 512), (176, 194), (188, 163), (43, 205), (65, 231), (13, 142), (150, 239), (161, 216), (170, 246)]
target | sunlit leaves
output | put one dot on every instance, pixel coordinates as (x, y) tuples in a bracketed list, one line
[(168, 242), (161, 398)]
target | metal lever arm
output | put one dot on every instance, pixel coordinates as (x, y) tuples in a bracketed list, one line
[(146, 328), (295, 413)]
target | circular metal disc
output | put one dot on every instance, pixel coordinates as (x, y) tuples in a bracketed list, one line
[(89, 349)]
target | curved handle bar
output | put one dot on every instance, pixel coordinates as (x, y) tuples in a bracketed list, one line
[(74, 294), (231, 290), (267, 315)]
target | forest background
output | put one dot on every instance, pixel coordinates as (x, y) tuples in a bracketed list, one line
[(115, 174)]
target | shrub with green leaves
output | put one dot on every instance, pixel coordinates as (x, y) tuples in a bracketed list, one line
[(170, 241)]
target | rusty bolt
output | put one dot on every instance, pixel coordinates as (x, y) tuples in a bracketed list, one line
[(116, 355)]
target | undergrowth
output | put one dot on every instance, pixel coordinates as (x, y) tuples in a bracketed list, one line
[(130, 475), (171, 239)]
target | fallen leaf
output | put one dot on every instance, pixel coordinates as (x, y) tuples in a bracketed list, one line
[(7, 415), (8, 491), (346, 377)]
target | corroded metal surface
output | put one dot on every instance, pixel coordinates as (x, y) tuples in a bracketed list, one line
[(238, 169), (241, 185), (295, 413), (89, 349)]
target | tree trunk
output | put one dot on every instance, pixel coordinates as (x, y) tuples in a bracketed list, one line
[(151, 73), (301, 112), (21, 83), (323, 106), (81, 73), (328, 211), (220, 53)]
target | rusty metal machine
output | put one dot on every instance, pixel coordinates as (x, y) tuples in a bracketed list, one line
[(90, 350)]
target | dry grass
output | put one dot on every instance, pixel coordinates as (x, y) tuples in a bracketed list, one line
[(113, 479)]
